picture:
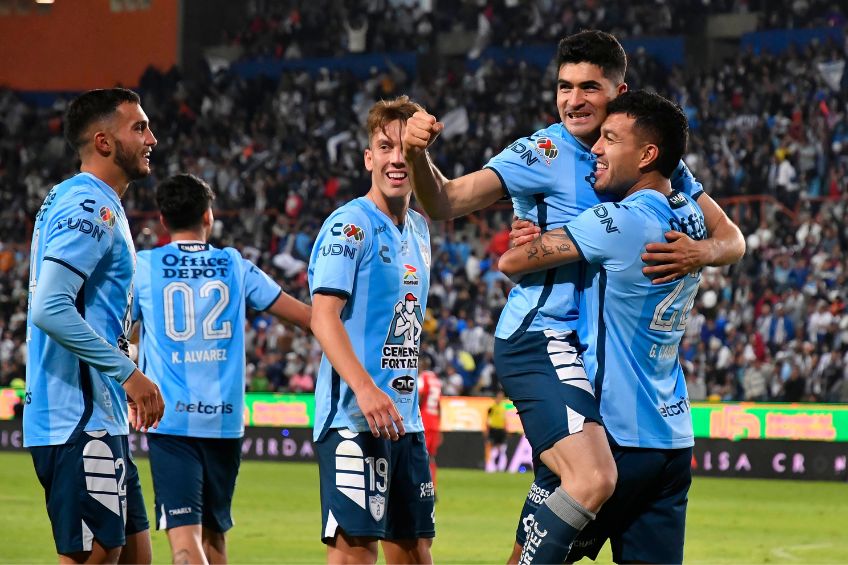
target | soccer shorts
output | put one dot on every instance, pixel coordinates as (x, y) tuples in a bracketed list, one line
[(194, 480), (373, 487), (543, 374), (92, 491), (645, 519)]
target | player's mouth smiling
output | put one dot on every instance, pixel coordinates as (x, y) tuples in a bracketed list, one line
[(397, 178), (601, 168), (578, 116)]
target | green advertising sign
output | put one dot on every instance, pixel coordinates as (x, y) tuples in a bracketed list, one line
[(751, 420), (281, 410)]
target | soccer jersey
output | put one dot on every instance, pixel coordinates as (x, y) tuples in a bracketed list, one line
[(80, 233), (550, 177), (384, 273), (633, 327), (191, 299), (430, 394)]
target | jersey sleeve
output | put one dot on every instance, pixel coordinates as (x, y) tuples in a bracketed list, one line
[(79, 232), (260, 290), (610, 234), (522, 170), (140, 286), (341, 244), (684, 181)]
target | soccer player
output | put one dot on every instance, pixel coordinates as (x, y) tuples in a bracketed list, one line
[(191, 299), (633, 328), (430, 398), (369, 275), (496, 456), (549, 176), (78, 379)]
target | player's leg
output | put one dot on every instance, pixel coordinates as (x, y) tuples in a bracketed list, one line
[(544, 483), (354, 476), (221, 460), (433, 439), (84, 489), (177, 469), (138, 548), (654, 489), (544, 376), (411, 514)]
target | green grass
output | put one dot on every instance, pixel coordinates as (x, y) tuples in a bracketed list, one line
[(277, 517)]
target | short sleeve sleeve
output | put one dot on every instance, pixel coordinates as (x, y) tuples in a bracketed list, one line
[(260, 290), (607, 234), (339, 248), (682, 180), (523, 167), (80, 232)]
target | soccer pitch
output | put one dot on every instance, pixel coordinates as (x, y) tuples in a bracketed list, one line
[(277, 517)]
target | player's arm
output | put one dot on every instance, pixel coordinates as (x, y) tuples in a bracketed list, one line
[(548, 250), (440, 197), (54, 312), (681, 254), (380, 412), (289, 309)]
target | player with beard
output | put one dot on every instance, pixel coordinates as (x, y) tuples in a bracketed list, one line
[(79, 377)]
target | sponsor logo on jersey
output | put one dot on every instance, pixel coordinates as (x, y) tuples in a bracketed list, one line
[(201, 408), (353, 233), (400, 350), (547, 149), (404, 384), (426, 490), (107, 216), (193, 247), (676, 409), (83, 226), (411, 274)]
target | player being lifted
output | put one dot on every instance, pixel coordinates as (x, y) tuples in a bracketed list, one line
[(78, 380), (369, 275), (191, 299), (549, 176), (632, 329)]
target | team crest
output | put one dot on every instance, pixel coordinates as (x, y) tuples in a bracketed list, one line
[(107, 216), (400, 350), (353, 233), (377, 506), (547, 149)]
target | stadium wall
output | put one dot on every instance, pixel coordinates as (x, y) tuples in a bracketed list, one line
[(75, 45)]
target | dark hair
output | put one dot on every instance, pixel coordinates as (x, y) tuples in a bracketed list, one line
[(595, 47), (182, 201), (384, 112), (91, 106), (660, 121)]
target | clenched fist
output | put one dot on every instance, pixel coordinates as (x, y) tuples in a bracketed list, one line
[(421, 131)]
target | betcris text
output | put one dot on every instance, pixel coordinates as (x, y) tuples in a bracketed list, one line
[(204, 408), (185, 267)]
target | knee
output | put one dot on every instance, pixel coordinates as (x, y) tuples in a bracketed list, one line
[(606, 478)]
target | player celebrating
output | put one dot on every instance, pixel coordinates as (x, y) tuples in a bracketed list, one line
[(549, 176), (369, 274), (633, 328), (78, 380), (191, 299)]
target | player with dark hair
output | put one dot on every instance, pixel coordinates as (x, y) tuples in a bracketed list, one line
[(633, 329), (369, 274), (79, 377), (549, 176), (191, 299)]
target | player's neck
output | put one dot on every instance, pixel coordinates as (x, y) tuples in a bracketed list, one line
[(189, 235), (113, 176), (394, 208), (651, 181)]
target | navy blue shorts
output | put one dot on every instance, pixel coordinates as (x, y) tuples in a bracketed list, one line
[(92, 491), (373, 487), (542, 373), (645, 519), (194, 480)]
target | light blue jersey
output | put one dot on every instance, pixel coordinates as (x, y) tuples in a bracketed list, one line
[(191, 300), (384, 273), (632, 327), (550, 177), (81, 269)]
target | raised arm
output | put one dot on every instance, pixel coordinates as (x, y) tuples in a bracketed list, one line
[(377, 407), (551, 249), (442, 198), (683, 255)]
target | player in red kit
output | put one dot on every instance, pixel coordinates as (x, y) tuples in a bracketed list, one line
[(429, 399)]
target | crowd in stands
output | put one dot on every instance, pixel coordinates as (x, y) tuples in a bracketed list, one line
[(283, 153)]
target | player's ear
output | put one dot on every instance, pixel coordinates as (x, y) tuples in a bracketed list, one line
[(163, 222), (649, 156), (102, 143), (622, 88), (369, 159)]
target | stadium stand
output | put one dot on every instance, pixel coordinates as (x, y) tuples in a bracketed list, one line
[(770, 142)]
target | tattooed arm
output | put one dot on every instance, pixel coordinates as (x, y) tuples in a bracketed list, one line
[(551, 249)]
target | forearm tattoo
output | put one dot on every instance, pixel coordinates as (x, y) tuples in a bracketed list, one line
[(549, 243)]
